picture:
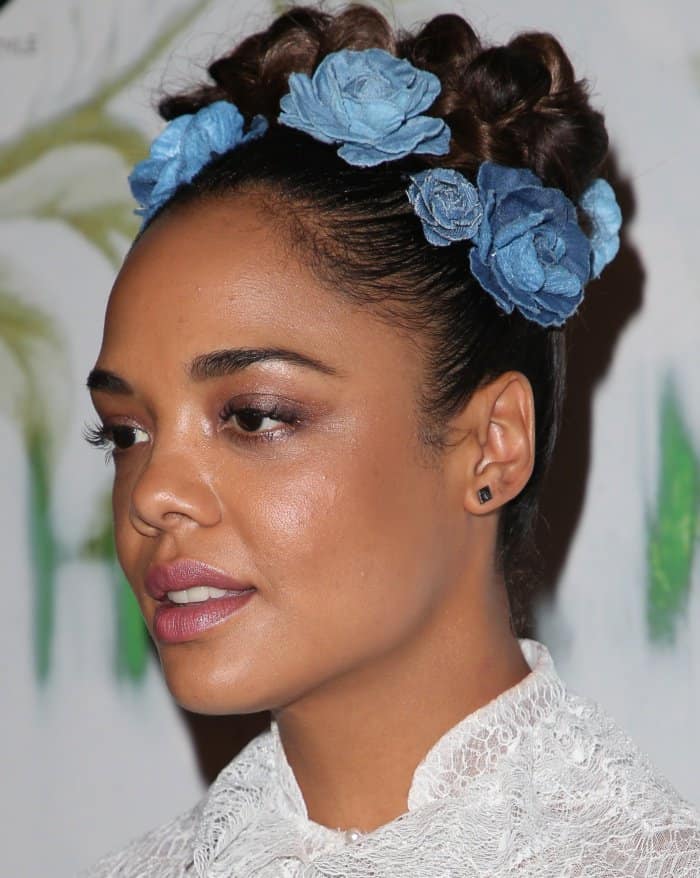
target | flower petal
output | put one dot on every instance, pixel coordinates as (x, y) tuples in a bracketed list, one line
[(517, 265), (423, 134), (362, 156), (167, 144), (522, 223), (492, 176), (373, 122), (600, 204), (560, 283), (483, 273)]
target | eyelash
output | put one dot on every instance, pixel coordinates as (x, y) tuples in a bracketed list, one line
[(102, 435)]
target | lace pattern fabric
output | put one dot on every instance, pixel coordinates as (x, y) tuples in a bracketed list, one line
[(539, 782)]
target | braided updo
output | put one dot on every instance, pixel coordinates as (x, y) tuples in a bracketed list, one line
[(518, 105)]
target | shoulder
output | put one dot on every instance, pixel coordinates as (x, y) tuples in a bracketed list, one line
[(602, 789), (165, 852)]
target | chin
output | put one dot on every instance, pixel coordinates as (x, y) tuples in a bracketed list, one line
[(204, 684), (201, 685)]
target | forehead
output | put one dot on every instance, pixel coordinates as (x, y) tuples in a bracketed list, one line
[(212, 268), (221, 274)]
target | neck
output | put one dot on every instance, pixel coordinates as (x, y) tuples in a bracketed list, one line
[(354, 745)]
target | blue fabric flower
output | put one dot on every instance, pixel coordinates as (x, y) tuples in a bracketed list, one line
[(600, 204), (530, 252), (447, 204), (370, 102), (186, 144)]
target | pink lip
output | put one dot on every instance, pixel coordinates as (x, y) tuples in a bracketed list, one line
[(188, 574), (177, 623)]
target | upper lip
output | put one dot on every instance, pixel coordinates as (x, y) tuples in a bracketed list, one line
[(186, 573)]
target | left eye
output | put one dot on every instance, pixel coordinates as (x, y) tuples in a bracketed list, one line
[(254, 420), (259, 423)]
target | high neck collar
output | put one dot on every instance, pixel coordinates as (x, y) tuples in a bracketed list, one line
[(257, 794), (465, 750)]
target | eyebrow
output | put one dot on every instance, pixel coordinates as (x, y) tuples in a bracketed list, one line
[(215, 364), (219, 363), (107, 382)]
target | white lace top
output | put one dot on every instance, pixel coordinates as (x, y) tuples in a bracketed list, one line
[(539, 782)]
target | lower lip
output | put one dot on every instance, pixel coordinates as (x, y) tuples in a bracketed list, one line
[(177, 623)]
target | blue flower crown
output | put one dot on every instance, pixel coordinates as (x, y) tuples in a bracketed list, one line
[(528, 249)]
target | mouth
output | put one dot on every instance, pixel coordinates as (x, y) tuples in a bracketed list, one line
[(192, 597), (200, 593)]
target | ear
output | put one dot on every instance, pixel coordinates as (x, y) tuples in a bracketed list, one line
[(500, 456)]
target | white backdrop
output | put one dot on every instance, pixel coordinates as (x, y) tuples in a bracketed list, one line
[(93, 752)]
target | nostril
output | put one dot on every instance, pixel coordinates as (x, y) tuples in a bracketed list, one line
[(169, 493), (142, 525)]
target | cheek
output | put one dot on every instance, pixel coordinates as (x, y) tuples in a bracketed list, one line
[(346, 546)]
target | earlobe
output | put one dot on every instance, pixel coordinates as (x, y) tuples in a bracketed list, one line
[(504, 413)]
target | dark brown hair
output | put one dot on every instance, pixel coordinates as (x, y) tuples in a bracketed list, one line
[(518, 104)]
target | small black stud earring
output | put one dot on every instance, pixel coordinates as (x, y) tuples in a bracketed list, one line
[(484, 494)]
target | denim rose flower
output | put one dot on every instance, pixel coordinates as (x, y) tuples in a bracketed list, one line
[(186, 144), (530, 252), (447, 204), (600, 204), (371, 103)]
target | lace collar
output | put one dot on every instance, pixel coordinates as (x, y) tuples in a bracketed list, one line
[(255, 811), (470, 747)]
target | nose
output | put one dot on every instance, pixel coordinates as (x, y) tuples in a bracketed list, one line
[(171, 491)]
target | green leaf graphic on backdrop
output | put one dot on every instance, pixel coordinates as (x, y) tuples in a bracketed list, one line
[(30, 348), (673, 532), (132, 639), (70, 168)]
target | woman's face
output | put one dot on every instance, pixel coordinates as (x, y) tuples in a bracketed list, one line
[(266, 446)]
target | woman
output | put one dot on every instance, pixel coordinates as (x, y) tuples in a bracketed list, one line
[(330, 379)]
